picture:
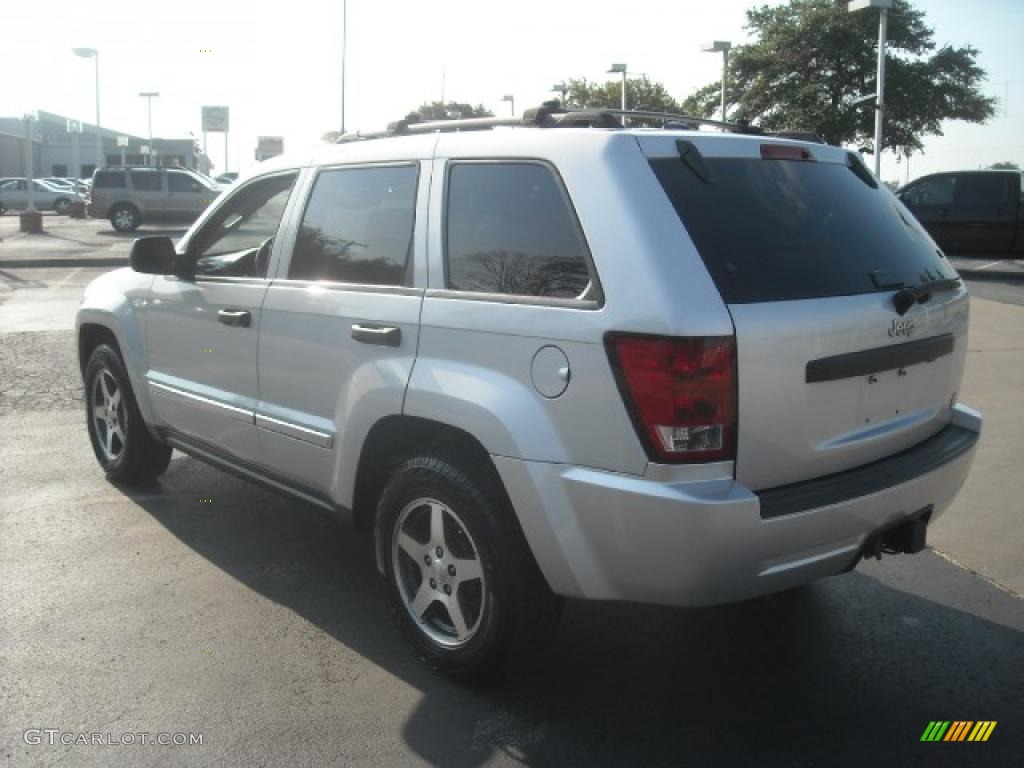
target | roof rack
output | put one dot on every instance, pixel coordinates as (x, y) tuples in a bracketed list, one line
[(548, 115)]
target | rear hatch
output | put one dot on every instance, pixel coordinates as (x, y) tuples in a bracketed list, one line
[(808, 252)]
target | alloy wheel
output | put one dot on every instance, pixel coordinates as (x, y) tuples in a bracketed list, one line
[(438, 572), (108, 415)]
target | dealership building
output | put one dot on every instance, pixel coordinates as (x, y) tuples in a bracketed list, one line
[(53, 153)]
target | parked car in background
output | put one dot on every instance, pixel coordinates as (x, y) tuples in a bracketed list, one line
[(131, 196), (45, 197), (970, 210), (668, 366)]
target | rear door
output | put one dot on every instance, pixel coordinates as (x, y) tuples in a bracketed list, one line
[(340, 322), (149, 193), (807, 251), (984, 210)]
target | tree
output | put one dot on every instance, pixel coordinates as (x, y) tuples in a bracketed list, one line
[(641, 93), (812, 58), (1005, 165), (449, 110)]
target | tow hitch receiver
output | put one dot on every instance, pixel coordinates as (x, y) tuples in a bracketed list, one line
[(906, 536)]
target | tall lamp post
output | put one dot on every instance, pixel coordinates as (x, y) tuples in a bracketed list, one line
[(344, 47), (723, 47), (511, 99), (148, 96), (92, 53), (620, 69), (883, 28)]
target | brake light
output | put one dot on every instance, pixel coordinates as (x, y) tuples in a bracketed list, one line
[(681, 394), (786, 152)]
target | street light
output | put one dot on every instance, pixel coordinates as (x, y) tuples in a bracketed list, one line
[(344, 47), (883, 28), (620, 69), (92, 53), (149, 96), (723, 47), (511, 99)]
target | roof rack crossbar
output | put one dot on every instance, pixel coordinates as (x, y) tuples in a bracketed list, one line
[(548, 115)]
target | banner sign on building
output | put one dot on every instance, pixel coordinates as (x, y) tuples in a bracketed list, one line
[(215, 119)]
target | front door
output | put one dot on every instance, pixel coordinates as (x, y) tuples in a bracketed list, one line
[(186, 196), (202, 331)]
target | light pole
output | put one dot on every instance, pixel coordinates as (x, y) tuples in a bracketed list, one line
[(723, 47), (620, 69), (344, 46), (883, 29), (149, 96), (511, 99), (92, 53)]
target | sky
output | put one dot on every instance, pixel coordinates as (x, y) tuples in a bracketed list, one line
[(277, 65)]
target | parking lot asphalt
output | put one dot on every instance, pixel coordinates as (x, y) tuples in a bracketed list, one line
[(205, 605)]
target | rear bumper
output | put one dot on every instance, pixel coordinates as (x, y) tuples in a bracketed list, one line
[(606, 536)]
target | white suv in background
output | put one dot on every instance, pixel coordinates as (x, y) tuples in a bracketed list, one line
[(552, 357)]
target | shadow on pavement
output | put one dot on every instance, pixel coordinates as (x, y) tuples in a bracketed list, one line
[(827, 675)]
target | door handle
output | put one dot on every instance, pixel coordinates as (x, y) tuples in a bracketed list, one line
[(381, 335), (236, 317)]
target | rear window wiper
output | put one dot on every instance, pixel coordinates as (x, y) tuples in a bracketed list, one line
[(905, 298)]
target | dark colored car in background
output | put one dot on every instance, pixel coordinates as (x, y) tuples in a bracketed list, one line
[(970, 210)]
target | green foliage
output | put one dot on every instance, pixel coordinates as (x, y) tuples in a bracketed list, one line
[(811, 58), (1005, 165), (449, 110), (641, 93)]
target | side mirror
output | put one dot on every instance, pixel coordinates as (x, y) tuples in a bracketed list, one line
[(154, 256), (196, 187)]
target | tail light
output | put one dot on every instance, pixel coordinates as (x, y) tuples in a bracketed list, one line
[(681, 394)]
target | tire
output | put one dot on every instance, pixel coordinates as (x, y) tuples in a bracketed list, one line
[(125, 449), (125, 217), (479, 562), (60, 206)]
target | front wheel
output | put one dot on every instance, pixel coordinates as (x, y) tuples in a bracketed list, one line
[(464, 587), (125, 449)]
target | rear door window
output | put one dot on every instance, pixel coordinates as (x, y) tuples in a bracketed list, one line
[(982, 189), (510, 230), (146, 181), (358, 226), (776, 230)]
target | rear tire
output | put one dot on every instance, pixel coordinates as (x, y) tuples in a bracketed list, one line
[(125, 218), (125, 449), (60, 206), (450, 545)]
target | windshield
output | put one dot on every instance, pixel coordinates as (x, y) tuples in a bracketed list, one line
[(775, 230)]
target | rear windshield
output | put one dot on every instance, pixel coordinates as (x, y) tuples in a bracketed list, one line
[(775, 230)]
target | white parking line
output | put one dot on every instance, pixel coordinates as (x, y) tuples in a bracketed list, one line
[(67, 278), (986, 266)]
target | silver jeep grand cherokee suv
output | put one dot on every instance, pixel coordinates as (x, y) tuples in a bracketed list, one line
[(672, 366)]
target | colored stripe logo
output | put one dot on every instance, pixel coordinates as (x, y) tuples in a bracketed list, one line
[(958, 730)]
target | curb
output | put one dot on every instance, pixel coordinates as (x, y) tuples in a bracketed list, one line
[(106, 261)]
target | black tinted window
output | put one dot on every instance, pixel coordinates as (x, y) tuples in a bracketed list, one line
[(236, 240), (357, 227), (109, 180), (182, 182), (510, 230), (146, 181), (937, 191), (982, 188), (772, 230)]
